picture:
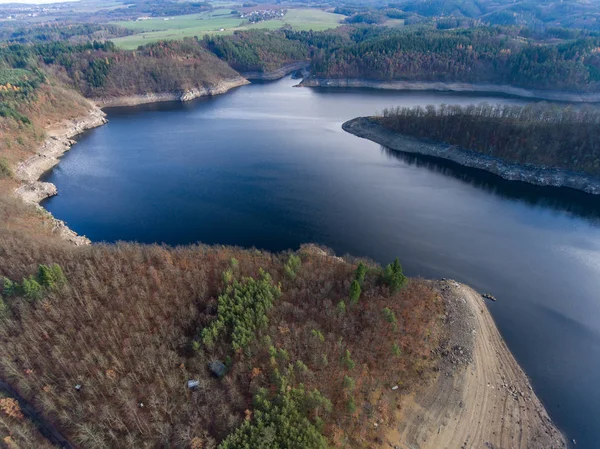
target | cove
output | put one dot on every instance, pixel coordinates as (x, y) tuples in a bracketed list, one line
[(268, 165)]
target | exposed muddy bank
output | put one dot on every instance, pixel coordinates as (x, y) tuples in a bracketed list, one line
[(206, 91), (59, 141), (369, 129), (481, 396), (282, 71), (576, 97)]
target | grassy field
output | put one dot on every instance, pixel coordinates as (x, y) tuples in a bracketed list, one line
[(178, 27)]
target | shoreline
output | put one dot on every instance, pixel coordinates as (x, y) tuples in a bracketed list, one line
[(191, 94), (278, 73), (367, 128), (61, 138), (481, 396), (574, 97)]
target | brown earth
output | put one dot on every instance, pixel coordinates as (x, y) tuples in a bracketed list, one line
[(481, 398)]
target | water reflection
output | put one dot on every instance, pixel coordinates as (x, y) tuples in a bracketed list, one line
[(561, 199)]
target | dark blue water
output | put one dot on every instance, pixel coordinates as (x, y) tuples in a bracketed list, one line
[(268, 165)]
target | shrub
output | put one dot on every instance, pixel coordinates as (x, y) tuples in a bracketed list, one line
[(389, 315), (242, 310), (292, 266), (3, 307), (341, 306), (282, 420), (51, 276), (351, 406), (349, 383), (396, 350), (347, 360), (361, 272), (10, 288), (5, 170), (318, 334), (354, 292), (394, 277), (31, 288)]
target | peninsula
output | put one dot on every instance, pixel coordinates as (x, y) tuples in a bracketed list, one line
[(539, 143)]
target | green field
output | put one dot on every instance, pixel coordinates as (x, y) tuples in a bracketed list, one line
[(178, 27)]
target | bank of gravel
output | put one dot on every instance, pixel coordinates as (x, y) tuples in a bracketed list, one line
[(481, 398), (218, 88), (574, 97), (368, 128)]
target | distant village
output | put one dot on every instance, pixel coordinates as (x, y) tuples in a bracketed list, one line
[(263, 14), (19, 12)]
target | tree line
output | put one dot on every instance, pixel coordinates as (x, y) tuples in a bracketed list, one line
[(537, 134), (480, 55)]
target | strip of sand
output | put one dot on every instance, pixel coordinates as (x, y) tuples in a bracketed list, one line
[(481, 397)]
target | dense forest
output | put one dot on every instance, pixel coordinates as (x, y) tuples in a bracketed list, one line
[(479, 55), (537, 134), (73, 33), (287, 350), (256, 50), (556, 59), (99, 69)]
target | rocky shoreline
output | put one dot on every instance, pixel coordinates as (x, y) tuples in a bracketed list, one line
[(61, 138), (206, 91), (59, 141), (575, 97), (276, 74), (368, 128)]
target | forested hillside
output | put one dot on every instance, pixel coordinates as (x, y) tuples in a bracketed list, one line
[(284, 350), (256, 50), (537, 134), (99, 69), (479, 55)]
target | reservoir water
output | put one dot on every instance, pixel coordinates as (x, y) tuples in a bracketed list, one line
[(268, 165)]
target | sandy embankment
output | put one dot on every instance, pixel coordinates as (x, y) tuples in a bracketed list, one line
[(481, 398), (368, 128), (575, 97), (207, 91), (59, 141)]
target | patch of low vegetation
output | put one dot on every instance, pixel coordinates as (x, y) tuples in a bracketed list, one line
[(5, 169), (537, 134)]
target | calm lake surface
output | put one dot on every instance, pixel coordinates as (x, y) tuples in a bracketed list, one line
[(268, 165)]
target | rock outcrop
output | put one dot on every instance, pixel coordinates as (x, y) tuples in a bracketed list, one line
[(206, 91)]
